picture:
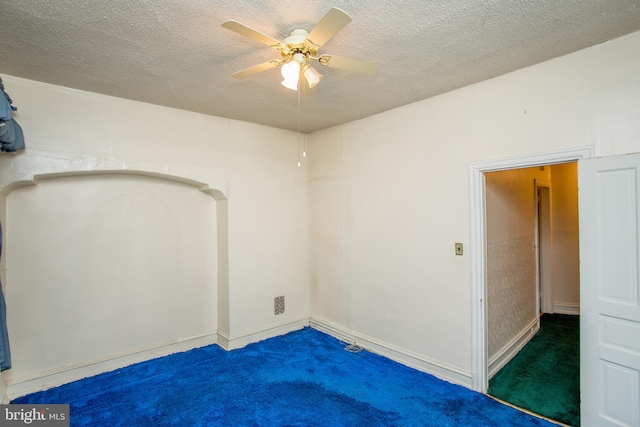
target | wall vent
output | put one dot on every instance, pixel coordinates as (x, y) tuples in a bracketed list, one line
[(278, 305)]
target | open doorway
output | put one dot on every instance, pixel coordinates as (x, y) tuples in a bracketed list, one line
[(529, 213), (477, 244)]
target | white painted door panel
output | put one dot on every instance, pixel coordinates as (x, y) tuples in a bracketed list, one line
[(609, 291)]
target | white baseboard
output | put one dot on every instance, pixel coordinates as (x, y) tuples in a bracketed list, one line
[(508, 352), (332, 329), (16, 387), (401, 355), (236, 341), (566, 308)]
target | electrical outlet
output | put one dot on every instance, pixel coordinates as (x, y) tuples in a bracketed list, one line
[(458, 248)]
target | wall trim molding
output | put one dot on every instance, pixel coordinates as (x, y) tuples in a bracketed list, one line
[(36, 178), (330, 328), (16, 387), (236, 341), (508, 352), (572, 308), (406, 357)]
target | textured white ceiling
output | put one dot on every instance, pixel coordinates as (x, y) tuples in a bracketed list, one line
[(175, 52)]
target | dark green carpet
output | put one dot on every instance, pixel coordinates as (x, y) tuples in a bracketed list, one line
[(544, 377)]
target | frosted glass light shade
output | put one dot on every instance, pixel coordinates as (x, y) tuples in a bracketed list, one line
[(313, 77), (291, 73)]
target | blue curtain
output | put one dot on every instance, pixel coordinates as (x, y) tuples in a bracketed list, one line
[(5, 353)]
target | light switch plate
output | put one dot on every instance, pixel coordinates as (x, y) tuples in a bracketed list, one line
[(458, 248)]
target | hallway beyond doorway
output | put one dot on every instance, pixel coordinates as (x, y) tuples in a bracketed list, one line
[(544, 377)]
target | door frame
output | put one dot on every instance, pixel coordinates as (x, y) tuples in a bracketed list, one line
[(542, 236), (478, 246)]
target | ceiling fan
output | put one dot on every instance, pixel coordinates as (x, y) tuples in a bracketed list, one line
[(300, 49)]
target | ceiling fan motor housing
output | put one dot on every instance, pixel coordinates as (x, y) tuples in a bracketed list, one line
[(296, 38), (298, 47)]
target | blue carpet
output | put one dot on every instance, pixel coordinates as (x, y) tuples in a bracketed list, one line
[(304, 378)]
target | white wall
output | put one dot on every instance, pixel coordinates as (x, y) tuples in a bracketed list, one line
[(261, 204), (104, 264), (389, 194)]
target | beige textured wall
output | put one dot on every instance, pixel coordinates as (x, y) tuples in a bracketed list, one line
[(511, 258), (566, 257)]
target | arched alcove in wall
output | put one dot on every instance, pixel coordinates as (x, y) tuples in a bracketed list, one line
[(99, 265)]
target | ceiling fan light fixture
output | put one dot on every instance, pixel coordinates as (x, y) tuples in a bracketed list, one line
[(290, 84), (302, 47), (312, 76), (291, 73)]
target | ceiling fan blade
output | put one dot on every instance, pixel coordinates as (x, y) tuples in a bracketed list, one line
[(350, 64), (250, 33), (333, 21), (255, 69)]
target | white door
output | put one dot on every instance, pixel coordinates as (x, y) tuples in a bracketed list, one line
[(609, 290)]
